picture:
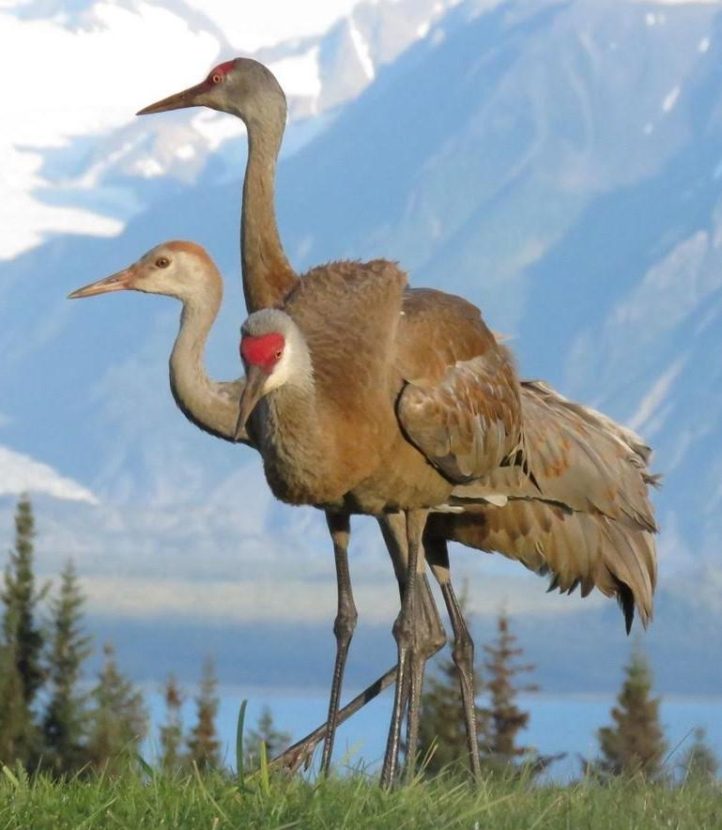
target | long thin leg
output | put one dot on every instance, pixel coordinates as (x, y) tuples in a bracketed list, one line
[(343, 628), (393, 528), (405, 632), (300, 753), (437, 555)]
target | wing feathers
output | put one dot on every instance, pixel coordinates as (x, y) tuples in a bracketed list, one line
[(585, 517)]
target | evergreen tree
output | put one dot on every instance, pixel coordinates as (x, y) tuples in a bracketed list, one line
[(264, 733), (22, 644), (203, 743), (699, 764), (118, 721), (171, 733), (65, 717), (505, 719), (18, 732), (635, 743)]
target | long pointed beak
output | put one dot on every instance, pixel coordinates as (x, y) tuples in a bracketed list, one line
[(178, 101), (252, 393), (115, 282)]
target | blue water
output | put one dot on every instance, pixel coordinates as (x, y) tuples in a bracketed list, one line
[(558, 723)]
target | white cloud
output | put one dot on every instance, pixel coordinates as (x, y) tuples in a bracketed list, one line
[(19, 473), (655, 397), (283, 597)]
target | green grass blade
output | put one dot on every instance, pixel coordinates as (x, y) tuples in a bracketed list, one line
[(240, 759)]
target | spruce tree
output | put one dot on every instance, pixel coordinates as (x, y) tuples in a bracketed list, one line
[(266, 733), (504, 717), (171, 733), (203, 743), (118, 720), (64, 723), (634, 744), (22, 644), (19, 739)]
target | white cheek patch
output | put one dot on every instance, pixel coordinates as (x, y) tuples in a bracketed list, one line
[(281, 372)]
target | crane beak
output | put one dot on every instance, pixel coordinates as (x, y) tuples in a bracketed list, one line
[(251, 394), (115, 282), (179, 101)]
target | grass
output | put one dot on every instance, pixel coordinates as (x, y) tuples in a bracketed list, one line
[(355, 802)]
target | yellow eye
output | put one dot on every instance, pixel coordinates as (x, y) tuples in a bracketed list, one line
[(162, 262), (216, 78)]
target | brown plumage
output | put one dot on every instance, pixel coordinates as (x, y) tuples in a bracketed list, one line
[(586, 519), (404, 410), (403, 400), (567, 524)]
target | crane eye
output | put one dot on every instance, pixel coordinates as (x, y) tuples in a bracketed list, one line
[(162, 262), (278, 354), (216, 78)]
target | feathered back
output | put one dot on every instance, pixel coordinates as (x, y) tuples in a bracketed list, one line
[(348, 313)]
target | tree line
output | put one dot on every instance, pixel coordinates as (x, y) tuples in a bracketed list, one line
[(52, 720), (632, 746)]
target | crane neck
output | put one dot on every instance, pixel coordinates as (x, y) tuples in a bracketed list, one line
[(210, 405), (267, 274)]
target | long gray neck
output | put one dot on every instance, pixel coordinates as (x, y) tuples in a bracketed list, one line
[(267, 274), (294, 450), (210, 405)]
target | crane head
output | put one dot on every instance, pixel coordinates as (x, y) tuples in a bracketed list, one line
[(242, 87), (177, 269), (274, 353)]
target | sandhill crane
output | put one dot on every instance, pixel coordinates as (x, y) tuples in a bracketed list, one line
[(562, 435), (400, 411), (248, 90)]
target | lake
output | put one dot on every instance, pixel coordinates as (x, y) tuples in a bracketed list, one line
[(558, 723)]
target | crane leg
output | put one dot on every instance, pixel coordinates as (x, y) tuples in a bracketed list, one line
[(437, 555), (343, 628), (300, 753), (433, 638), (410, 659)]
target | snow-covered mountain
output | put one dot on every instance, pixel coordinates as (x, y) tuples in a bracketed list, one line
[(556, 162), (89, 165)]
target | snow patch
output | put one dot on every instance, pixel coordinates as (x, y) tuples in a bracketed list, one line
[(216, 128), (25, 221), (187, 151), (299, 74), (362, 50), (22, 474), (148, 168)]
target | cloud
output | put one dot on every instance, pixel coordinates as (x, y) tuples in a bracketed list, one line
[(20, 473), (274, 594)]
